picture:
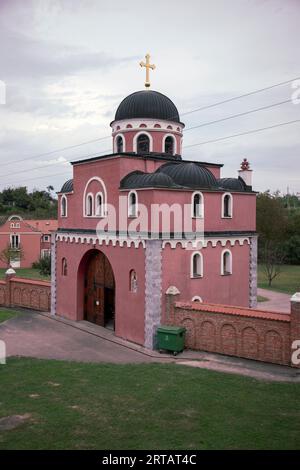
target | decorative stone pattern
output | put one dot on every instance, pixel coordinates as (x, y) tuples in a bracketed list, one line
[(253, 273), (53, 274), (18, 292), (262, 336), (153, 290)]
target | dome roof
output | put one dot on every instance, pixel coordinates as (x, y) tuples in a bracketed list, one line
[(67, 187), (235, 184), (189, 174), (147, 104), (139, 179)]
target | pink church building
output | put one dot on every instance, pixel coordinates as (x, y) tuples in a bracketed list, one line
[(112, 263)]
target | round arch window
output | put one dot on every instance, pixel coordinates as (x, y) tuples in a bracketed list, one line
[(169, 145), (143, 144)]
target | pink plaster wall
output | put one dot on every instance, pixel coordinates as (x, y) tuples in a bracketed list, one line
[(30, 242), (130, 307)]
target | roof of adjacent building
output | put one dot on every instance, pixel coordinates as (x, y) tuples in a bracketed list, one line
[(43, 226), (236, 184), (67, 187), (147, 104)]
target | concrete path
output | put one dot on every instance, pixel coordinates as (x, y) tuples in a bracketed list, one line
[(277, 302), (43, 336)]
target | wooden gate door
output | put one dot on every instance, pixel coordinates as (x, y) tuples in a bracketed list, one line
[(99, 277)]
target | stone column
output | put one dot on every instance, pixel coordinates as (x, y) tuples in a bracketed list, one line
[(295, 330), (253, 272), (53, 273), (9, 274), (153, 286)]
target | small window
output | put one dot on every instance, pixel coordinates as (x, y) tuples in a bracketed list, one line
[(196, 265), (45, 253), (227, 206), (46, 238), (15, 242), (120, 144), (143, 144), (63, 206), (197, 205), (197, 298), (12, 225), (132, 204), (89, 205), (64, 267), (99, 205), (17, 225), (133, 281), (226, 263), (169, 145)]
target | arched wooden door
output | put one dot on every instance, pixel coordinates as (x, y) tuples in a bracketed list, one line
[(99, 291)]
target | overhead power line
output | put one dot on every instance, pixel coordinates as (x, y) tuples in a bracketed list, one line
[(218, 103)]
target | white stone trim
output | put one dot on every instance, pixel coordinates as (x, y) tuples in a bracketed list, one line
[(201, 216), (229, 272), (204, 242), (192, 275), (115, 142), (145, 132), (150, 123), (94, 240), (63, 198), (101, 215), (231, 206), (129, 213), (100, 180), (174, 143), (197, 298), (53, 273)]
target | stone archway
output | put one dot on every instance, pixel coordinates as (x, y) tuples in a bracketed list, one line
[(99, 290)]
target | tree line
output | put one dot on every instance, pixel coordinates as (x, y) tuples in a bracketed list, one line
[(36, 204)]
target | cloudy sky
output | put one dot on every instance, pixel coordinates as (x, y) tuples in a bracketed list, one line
[(67, 64)]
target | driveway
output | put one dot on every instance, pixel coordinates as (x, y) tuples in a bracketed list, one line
[(277, 302), (35, 335)]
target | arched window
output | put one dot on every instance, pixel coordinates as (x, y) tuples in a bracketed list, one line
[(133, 286), (63, 206), (169, 145), (226, 263), (64, 267), (89, 205), (227, 205), (132, 204), (99, 205), (120, 144), (197, 205), (197, 298), (143, 144), (196, 265)]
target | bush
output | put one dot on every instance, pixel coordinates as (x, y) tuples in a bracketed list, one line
[(292, 249), (43, 265)]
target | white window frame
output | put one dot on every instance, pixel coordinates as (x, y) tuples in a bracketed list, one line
[(116, 145), (174, 143), (46, 238), (14, 236), (87, 197), (136, 138), (230, 206), (227, 273), (130, 213), (197, 276), (85, 194), (99, 213), (201, 216), (45, 252), (64, 213), (197, 298)]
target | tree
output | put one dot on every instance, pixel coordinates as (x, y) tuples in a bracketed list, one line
[(272, 225), (9, 254)]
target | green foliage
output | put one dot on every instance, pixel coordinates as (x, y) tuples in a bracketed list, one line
[(8, 254), (35, 204), (43, 265)]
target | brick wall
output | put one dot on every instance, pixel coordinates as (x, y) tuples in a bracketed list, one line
[(234, 331), (28, 293)]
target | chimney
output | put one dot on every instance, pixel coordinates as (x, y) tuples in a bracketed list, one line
[(245, 173)]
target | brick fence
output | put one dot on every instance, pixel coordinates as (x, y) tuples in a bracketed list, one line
[(235, 331), (28, 293)]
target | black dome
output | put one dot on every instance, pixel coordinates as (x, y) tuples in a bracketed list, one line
[(236, 184), (190, 175), (147, 104), (139, 179), (67, 187)]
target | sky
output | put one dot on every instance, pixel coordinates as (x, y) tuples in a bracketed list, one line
[(65, 66)]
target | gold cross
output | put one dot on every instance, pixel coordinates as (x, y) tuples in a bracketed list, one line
[(148, 67)]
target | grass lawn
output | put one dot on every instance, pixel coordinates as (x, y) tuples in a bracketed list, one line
[(7, 314), (144, 406), (27, 272), (287, 281)]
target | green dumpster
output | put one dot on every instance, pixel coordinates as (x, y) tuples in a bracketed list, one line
[(171, 338)]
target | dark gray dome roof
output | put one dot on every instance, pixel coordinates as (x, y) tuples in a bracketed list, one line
[(235, 184), (139, 179), (147, 104), (67, 187), (189, 174)]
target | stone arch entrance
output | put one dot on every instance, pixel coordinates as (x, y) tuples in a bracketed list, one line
[(99, 290)]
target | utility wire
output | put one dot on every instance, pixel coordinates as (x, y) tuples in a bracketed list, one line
[(260, 90)]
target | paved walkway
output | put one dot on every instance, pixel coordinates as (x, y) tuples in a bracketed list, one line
[(277, 302), (43, 336)]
